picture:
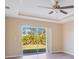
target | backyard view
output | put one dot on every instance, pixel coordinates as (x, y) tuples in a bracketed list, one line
[(34, 39)]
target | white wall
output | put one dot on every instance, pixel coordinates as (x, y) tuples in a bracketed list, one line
[(68, 37)]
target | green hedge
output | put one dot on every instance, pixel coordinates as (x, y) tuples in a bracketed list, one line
[(33, 51)]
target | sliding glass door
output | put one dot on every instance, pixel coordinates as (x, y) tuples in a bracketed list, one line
[(41, 40), (33, 40)]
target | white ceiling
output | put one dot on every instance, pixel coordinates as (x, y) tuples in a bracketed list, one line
[(31, 9)]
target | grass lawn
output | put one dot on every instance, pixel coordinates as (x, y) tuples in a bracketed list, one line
[(40, 46)]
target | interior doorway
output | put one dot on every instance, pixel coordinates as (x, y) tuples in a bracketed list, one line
[(33, 40)]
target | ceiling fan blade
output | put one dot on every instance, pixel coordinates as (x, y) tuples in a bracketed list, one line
[(45, 7), (51, 12), (66, 7), (7, 7), (63, 12)]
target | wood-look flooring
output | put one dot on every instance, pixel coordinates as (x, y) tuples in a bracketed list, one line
[(46, 56)]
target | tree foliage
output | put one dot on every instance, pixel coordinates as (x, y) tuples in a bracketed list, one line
[(33, 38)]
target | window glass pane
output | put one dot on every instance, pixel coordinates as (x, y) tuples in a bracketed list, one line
[(33, 39)]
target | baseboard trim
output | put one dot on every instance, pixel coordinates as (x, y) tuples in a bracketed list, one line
[(13, 56), (63, 52), (57, 52), (69, 53)]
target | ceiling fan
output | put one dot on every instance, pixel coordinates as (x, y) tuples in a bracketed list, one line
[(57, 6)]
